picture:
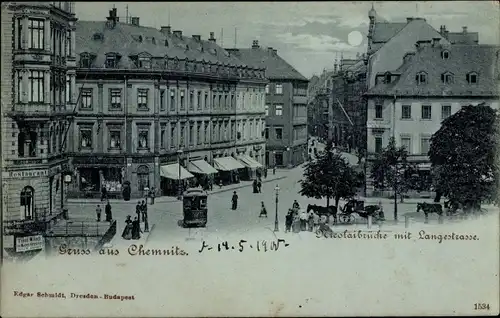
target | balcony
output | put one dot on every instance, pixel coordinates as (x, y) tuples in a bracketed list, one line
[(35, 110), (299, 120), (297, 99)]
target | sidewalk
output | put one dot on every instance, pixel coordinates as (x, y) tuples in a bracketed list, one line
[(280, 174)]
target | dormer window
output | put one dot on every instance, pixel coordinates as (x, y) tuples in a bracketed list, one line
[(111, 60), (447, 78), (98, 36), (387, 78), (144, 61), (421, 78), (445, 54), (85, 60), (153, 40), (166, 42), (471, 78)]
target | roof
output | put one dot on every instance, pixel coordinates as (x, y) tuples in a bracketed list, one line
[(384, 31), (276, 66), (464, 59), (463, 38), (127, 40)]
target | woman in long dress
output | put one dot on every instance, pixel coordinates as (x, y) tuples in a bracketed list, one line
[(127, 231), (136, 229)]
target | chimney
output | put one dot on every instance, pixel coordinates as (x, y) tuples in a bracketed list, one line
[(408, 20), (464, 28), (135, 21), (255, 44), (178, 33), (112, 18), (211, 38), (408, 57), (442, 28), (166, 30), (197, 37)]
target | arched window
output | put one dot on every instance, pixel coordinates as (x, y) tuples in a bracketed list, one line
[(447, 78), (445, 54), (28, 202), (142, 177)]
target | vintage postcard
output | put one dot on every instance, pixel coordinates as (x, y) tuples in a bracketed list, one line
[(223, 159)]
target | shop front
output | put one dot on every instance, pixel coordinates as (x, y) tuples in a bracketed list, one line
[(203, 172), (251, 167), (228, 170), (174, 176)]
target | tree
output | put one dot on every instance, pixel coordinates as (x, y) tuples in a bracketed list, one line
[(392, 170), (464, 156), (329, 176)]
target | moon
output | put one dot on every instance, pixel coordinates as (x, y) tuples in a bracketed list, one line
[(355, 38)]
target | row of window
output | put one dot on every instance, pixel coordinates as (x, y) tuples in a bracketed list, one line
[(60, 38), (221, 132), (446, 78), (197, 99), (406, 142), (278, 133), (60, 87), (277, 89), (406, 112), (31, 141)]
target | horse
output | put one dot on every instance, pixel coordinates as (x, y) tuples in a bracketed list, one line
[(430, 208), (321, 210)]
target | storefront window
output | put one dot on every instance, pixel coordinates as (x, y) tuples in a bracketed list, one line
[(89, 179), (115, 140), (142, 177), (112, 179), (86, 138), (27, 202)]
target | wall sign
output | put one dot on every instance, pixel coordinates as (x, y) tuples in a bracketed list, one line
[(29, 243), (28, 174)]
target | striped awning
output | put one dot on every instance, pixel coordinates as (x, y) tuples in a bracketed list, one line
[(249, 162), (201, 166), (172, 172), (227, 164)]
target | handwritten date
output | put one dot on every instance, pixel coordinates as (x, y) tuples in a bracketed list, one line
[(259, 246)]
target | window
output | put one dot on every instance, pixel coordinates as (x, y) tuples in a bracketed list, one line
[(301, 89), (115, 139), (19, 86), (19, 33), (279, 110), (172, 100), (447, 78), (36, 38), (266, 132), (142, 177), (232, 102), (214, 99), (191, 134), (279, 88), (424, 145), (85, 60), (86, 98), (279, 133), (406, 112), (85, 138), (267, 89), (421, 78), (183, 101), (68, 89), (198, 134), (278, 158), (198, 101), (36, 87), (143, 138), (144, 62), (378, 144), (68, 44), (172, 135), (426, 112), (445, 111), (471, 78), (111, 61), (142, 98), (206, 101), (445, 55), (378, 111), (162, 137), (28, 202), (162, 99), (183, 128), (115, 95), (267, 110), (191, 100), (205, 132), (406, 143)]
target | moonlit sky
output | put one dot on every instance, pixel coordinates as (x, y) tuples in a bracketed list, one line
[(309, 35)]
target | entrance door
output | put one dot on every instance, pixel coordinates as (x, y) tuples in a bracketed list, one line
[(267, 159), (28, 202)]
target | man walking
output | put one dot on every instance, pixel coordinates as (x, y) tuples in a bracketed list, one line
[(138, 209), (234, 200), (144, 210), (153, 195), (98, 213)]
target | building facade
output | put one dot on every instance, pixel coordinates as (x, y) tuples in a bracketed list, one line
[(433, 83), (149, 98), (38, 59), (285, 106)]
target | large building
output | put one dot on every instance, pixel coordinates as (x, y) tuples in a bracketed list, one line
[(319, 104), (433, 82), (286, 106), (38, 59), (150, 98)]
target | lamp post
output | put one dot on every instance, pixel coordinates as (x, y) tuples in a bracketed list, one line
[(289, 158), (276, 228), (179, 189)]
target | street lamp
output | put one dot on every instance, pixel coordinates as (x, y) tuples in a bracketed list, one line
[(179, 190), (289, 158), (276, 229)]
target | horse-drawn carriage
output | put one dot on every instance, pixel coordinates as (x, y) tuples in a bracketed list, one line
[(358, 207)]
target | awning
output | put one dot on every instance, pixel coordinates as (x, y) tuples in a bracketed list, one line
[(201, 166), (172, 172), (249, 161), (227, 164)]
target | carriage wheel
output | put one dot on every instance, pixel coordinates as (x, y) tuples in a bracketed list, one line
[(351, 218), (344, 218)]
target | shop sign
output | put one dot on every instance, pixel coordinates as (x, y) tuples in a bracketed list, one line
[(28, 174), (29, 243), (98, 160), (142, 160)]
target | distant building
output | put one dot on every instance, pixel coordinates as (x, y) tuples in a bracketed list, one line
[(319, 103), (432, 83), (37, 58), (147, 94), (286, 106)]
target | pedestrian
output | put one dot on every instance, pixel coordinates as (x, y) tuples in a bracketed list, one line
[(104, 192), (259, 186), (98, 213), (144, 210), (138, 209), (220, 184), (296, 223), (211, 184), (234, 201), (109, 216), (381, 211), (265, 172), (153, 194), (254, 186), (310, 221), (127, 231), (263, 211), (274, 170), (315, 220), (296, 205), (303, 220), (136, 229), (288, 220), (146, 223)]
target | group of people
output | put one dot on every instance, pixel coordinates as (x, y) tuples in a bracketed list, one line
[(297, 220), (133, 228), (107, 211), (257, 185)]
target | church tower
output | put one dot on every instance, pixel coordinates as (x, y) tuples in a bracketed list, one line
[(372, 16)]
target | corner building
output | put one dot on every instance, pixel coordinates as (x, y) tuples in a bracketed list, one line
[(151, 98), (37, 106)]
